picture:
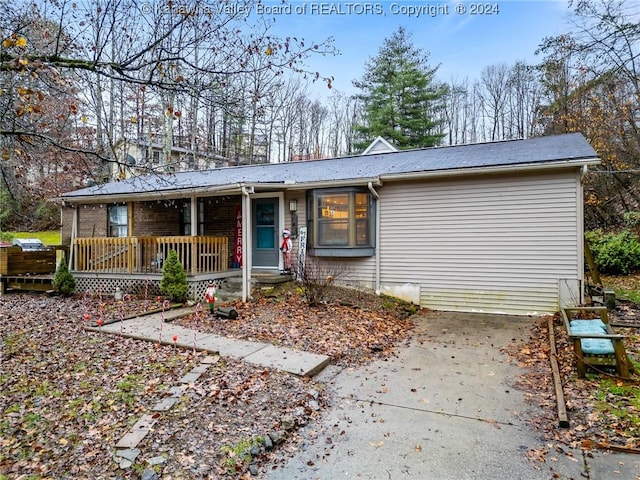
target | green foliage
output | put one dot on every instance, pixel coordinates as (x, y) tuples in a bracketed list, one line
[(400, 95), (8, 209), (63, 281), (619, 400), (615, 253), (174, 280), (239, 455), (46, 214), (6, 237)]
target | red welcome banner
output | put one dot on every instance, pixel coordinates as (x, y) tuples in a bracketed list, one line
[(237, 250)]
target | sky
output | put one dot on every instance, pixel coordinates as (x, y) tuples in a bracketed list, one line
[(461, 37)]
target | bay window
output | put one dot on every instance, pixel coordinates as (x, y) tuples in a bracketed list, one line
[(341, 222)]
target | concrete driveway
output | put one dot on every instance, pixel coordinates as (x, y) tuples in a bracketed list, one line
[(445, 408)]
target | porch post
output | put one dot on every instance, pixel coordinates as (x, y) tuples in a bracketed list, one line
[(130, 248), (246, 243), (74, 234), (195, 246), (130, 219), (194, 216)]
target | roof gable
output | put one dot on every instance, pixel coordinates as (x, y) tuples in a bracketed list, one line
[(379, 145)]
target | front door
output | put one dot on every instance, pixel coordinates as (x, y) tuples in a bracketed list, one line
[(265, 232)]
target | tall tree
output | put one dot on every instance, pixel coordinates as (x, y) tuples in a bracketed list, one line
[(591, 81), (400, 95)]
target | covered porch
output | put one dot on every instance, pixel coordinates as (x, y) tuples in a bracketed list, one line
[(230, 236)]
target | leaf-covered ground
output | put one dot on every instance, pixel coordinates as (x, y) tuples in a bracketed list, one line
[(351, 327), (68, 395), (604, 410)]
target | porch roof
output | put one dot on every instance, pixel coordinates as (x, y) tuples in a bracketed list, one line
[(541, 152)]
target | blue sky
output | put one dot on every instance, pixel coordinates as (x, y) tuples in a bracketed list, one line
[(462, 43)]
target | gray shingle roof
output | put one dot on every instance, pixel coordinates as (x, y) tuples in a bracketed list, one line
[(540, 150)]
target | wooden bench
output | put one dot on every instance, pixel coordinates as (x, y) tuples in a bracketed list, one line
[(594, 341)]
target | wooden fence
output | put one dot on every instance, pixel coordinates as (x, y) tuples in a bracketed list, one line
[(197, 254), (13, 261)]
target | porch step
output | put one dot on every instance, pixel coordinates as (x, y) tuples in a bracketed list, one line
[(271, 279), (231, 289)]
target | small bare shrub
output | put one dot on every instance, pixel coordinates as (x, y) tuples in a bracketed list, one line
[(318, 277)]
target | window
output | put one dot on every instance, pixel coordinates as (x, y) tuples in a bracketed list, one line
[(185, 217), (341, 222), (117, 221)]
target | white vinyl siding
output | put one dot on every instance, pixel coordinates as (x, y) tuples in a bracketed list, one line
[(497, 244)]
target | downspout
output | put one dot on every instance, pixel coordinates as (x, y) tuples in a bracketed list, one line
[(246, 271), (376, 237), (581, 239)]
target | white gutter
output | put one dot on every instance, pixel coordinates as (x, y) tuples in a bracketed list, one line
[(489, 170), (152, 195), (376, 236), (323, 184)]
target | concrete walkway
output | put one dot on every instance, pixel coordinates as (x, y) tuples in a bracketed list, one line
[(157, 327), (446, 408)]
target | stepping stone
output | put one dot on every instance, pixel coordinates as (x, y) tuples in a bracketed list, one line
[(200, 368), (210, 359), (177, 391), (127, 453), (190, 377), (165, 404), (137, 432)]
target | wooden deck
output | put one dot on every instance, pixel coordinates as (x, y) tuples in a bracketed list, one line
[(31, 283)]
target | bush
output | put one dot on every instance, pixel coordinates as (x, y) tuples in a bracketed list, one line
[(318, 277), (615, 253), (174, 281), (63, 281), (6, 237)]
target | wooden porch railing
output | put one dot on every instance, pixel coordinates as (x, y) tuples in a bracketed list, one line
[(146, 254)]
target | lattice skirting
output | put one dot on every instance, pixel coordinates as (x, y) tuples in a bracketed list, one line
[(137, 287)]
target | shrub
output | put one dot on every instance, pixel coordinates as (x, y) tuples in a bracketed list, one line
[(63, 281), (174, 281), (317, 278), (615, 253), (6, 237)]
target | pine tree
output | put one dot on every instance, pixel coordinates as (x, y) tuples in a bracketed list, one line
[(63, 281), (174, 280), (400, 97)]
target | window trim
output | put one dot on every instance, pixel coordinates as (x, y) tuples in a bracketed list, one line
[(351, 249), (111, 225), (185, 216)]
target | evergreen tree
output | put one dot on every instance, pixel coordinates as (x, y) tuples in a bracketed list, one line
[(400, 98), (63, 281), (174, 280)]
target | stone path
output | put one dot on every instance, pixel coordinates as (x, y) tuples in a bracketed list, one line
[(157, 327)]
